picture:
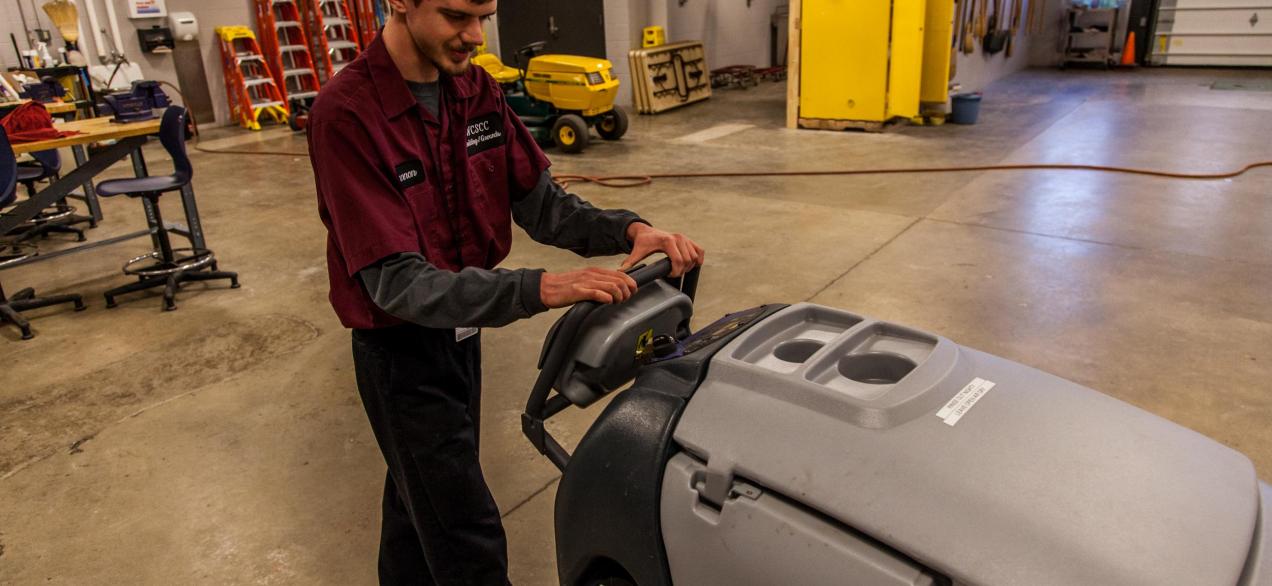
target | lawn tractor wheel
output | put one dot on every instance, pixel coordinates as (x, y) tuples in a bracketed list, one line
[(570, 133), (613, 125)]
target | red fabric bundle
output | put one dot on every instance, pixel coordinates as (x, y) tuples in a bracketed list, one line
[(31, 122)]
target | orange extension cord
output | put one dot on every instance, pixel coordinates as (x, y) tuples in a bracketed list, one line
[(638, 180)]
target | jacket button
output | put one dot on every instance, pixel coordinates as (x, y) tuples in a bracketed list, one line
[(490, 167)]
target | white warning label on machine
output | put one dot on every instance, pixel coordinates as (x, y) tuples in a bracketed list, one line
[(964, 400)]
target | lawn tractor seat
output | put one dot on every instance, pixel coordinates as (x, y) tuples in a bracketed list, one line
[(502, 73)]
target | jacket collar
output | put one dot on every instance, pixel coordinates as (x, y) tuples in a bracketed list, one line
[(395, 97)]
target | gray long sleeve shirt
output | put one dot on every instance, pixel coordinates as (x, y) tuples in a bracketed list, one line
[(408, 287)]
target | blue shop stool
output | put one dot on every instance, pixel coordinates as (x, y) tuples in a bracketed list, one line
[(61, 217), (163, 267), (13, 252)]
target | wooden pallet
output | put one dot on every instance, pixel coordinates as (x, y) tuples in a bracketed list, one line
[(865, 125)]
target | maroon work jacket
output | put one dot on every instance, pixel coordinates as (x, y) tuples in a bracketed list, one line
[(392, 178)]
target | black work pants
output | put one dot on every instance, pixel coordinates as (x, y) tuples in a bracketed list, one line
[(422, 392)]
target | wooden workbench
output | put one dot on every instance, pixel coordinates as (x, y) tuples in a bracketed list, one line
[(91, 130), (53, 107)]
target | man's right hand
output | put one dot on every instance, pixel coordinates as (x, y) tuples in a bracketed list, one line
[(599, 285)]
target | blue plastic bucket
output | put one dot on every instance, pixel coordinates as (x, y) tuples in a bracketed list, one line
[(965, 108)]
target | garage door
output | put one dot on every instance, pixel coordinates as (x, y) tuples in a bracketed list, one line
[(1213, 32)]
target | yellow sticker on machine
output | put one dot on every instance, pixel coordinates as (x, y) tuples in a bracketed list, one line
[(645, 343)]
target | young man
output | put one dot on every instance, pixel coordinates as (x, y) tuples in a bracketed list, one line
[(421, 169)]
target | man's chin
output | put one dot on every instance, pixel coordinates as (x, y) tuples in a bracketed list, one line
[(451, 67)]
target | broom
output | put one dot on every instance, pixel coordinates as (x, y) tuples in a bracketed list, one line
[(66, 18)]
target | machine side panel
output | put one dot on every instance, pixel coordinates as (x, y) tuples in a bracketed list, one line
[(607, 502), (757, 538)]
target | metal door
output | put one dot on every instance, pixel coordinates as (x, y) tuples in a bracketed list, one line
[(573, 27)]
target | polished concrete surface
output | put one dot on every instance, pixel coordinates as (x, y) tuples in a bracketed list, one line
[(225, 443)]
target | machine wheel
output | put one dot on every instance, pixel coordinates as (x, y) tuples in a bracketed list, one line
[(570, 133), (614, 125)]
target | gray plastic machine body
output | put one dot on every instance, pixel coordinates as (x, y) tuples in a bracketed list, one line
[(828, 448), (606, 356)]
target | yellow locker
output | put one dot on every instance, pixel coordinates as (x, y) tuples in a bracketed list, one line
[(860, 61)]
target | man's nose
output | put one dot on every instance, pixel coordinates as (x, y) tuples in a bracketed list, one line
[(471, 35)]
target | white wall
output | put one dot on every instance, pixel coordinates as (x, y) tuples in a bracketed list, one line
[(624, 22), (211, 14), (732, 32)]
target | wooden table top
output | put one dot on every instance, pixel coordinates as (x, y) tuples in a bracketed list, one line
[(53, 108), (91, 130)]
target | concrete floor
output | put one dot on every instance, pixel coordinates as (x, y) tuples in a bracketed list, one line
[(225, 443)]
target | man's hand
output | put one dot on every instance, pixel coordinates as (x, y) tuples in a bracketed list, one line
[(646, 240), (599, 285)]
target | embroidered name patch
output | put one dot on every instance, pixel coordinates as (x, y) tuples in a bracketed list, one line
[(409, 173), (485, 133)]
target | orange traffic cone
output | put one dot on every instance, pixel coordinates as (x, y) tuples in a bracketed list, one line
[(1128, 51)]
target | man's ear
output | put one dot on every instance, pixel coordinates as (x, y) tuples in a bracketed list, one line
[(400, 6)]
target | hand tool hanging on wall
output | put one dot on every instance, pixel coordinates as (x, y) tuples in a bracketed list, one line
[(996, 39), (969, 27), (1037, 12), (981, 11), (1015, 25), (955, 37), (989, 41)]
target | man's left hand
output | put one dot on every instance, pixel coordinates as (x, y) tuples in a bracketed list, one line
[(684, 253)]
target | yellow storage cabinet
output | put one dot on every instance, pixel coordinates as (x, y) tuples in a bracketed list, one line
[(938, 35), (860, 62)]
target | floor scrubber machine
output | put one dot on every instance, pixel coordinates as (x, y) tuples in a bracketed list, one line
[(802, 444)]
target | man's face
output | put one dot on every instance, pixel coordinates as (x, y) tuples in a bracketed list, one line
[(447, 31)]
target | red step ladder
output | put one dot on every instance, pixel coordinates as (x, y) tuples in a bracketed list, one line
[(286, 49), (249, 85), (334, 35), (368, 24)]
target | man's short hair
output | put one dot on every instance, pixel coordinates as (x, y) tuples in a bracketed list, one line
[(477, 2)]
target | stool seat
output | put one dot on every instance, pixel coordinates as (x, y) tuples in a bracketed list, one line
[(30, 173), (140, 185)]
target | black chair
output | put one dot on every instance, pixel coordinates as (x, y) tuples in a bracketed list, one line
[(165, 268), (12, 252), (61, 218)]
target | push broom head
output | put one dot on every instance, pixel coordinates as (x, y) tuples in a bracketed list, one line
[(66, 18)]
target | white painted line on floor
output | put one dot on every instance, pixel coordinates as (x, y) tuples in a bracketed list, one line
[(248, 137), (713, 133)]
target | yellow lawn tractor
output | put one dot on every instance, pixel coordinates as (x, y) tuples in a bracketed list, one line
[(560, 97)]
